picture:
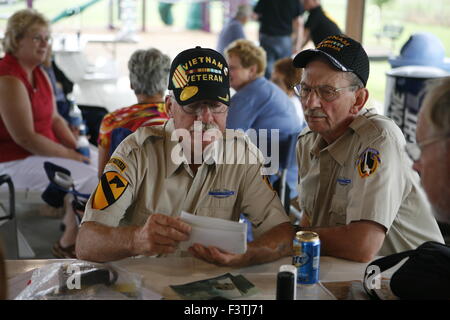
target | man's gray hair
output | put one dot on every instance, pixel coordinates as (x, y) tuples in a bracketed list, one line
[(354, 80), (437, 106), (149, 71)]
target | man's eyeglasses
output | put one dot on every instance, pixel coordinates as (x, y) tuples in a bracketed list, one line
[(45, 39), (324, 92), (414, 150), (197, 108)]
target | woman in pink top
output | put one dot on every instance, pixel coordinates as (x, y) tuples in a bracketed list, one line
[(31, 130)]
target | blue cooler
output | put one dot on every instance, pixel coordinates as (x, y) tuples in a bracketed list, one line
[(405, 90)]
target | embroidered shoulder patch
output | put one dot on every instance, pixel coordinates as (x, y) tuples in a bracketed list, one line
[(118, 163), (368, 162), (110, 188)]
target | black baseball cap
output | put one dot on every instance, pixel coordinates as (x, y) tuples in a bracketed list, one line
[(342, 52), (199, 74)]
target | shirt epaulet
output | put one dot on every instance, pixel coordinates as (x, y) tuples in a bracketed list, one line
[(137, 139), (371, 125), (304, 133), (149, 133)]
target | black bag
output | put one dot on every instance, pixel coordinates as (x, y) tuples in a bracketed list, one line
[(425, 275)]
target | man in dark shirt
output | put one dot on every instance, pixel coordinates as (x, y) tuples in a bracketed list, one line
[(319, 25), (234, 29), (280, 22)]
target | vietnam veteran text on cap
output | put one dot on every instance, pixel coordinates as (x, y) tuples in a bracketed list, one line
[(199, 74)]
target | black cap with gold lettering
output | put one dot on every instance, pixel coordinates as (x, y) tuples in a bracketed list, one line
[(342, 52), (200, 74)]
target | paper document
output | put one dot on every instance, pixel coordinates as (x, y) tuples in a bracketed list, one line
[(227, 235)]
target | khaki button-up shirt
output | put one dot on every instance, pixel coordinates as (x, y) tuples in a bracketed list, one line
[(145, 176), (365, 175)]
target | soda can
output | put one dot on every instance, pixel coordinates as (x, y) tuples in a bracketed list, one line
[(306, 257)]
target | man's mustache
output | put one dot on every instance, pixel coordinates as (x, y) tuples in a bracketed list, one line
[(205, 127), (315, 113)]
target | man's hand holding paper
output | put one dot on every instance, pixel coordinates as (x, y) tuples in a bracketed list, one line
[(215, 240)]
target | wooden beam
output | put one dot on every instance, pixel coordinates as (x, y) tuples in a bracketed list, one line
[(144, 15), (355, 19)]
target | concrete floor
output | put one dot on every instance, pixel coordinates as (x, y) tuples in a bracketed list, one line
[(39, 232)]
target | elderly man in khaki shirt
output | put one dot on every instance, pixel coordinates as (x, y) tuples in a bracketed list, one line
[(356, 185), (187, 164)]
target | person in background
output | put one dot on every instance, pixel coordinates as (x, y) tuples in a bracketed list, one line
[(234, 29), (31, 130), (155, 174), (165, 12), (431, 152), (62, 104), (281, 29), (258, 103), (319, 24), (286, 76), (149, 74), (356, 186)]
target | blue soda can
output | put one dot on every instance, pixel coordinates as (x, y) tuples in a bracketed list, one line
[(306, 257)]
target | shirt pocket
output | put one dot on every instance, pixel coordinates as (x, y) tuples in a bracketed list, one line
[(214, 212), (219, 208), (338, 211)]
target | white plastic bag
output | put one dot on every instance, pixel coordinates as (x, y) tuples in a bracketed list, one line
[(80, 280)]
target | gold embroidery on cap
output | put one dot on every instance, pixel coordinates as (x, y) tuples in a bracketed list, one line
[(226, 98), (188, 93), (179, 78)]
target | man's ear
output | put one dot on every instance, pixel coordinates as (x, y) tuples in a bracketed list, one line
[(361, 97), (169, 106)]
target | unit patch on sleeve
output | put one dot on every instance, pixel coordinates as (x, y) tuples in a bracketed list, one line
[(368, 162), (118, 163), (110, 188)]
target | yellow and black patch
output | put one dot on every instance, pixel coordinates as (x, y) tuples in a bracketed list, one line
[(368, 162), (118, 163), (110, 188)]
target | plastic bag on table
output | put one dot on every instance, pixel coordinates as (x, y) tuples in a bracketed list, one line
[(80, 280)]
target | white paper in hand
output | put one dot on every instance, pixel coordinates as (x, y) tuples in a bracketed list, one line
[(226, 235)]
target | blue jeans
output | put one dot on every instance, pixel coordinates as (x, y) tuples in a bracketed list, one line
[(276, 47)]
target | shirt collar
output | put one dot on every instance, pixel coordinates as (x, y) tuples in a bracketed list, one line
[(174, 148), (338, 149)]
